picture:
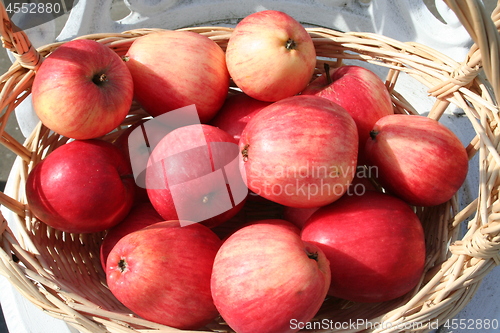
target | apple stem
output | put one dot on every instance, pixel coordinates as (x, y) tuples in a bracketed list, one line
[(100, 79), (244, 153), (327, 73), (373, 134), (313, 255), (290, 44), (122, 265)]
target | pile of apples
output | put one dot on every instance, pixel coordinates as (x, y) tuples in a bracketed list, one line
[(285, 136)]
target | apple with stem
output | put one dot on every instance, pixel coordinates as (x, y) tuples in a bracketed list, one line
[(163, 273), (264, 276), (418, 158), (300, 152), (375, 244), (82, 90), (122, 142), (270, 56), (140, 216)]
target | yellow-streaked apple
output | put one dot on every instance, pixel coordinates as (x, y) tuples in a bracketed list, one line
[(264, 276), (82, 90), (174, 69), (163, 273), (270, 55)]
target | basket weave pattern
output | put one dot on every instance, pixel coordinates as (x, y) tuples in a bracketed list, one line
[(61, 272)]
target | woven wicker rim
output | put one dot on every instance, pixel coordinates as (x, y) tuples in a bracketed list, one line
[(61, 273)]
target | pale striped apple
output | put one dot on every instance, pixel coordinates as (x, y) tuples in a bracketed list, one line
[(270, 55), (417, 158)]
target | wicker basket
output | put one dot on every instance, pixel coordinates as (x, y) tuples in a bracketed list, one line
[(61, 273)]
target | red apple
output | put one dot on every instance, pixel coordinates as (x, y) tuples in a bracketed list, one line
[(82, 90), (162, 273), (362, 181), (358, 90), (375, 244), (81, 187), (173, 69), (300, 152), (419, 159), (138, 141), (236, 113), (298, 216), (193, 175), (359, 185), (264, 276), (270, 56), (140, 216)]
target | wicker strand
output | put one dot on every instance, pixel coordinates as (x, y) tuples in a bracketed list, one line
[(17, 42), (471, 67), (484, 33), (461, 77), (30, 59), (3, 225), (481, 245)]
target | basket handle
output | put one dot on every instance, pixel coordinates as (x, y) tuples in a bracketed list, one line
[(484, 31), (16, 41)]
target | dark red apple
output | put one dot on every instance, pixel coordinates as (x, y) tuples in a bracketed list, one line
[(363, 180), (298, 216), (122, 142), (375, 244), (81, 187)]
